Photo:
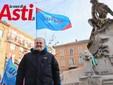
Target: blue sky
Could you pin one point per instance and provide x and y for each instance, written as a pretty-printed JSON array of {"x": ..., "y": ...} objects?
[{"x": 78, "y": 11}]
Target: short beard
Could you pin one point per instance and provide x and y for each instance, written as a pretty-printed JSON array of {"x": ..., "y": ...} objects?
[{"x": 38, "y": 49}]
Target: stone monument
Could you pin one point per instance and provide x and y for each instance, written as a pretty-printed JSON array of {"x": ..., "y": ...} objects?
[
  {"x": 98, "y": 59},
  {"x": 101, "y": 39},
  {"x": 101, "y": 45}
]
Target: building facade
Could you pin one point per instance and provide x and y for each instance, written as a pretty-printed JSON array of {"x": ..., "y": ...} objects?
[
  {"x": 68, "y": 55},
  {"x": 13, "y": 43}
]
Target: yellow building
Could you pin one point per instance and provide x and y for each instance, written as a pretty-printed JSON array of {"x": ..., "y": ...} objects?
[
  {"x": 13, "y": 42},
  {"x": 68, "y": 54}
]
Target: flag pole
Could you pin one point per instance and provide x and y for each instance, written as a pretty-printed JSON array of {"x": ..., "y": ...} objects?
[
  {"x": 5, "y": 61},
  {"x": 36, "y": 33},
  {"x": 36, "y": 24}
]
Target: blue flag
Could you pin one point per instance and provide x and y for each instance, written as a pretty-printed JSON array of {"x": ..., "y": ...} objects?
[
  {"x": 10, "y": 72},
  {"x": 50, "y": 21}
]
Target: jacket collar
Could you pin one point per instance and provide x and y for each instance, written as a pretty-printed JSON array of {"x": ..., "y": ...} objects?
[{"x": 36, "y": 51}]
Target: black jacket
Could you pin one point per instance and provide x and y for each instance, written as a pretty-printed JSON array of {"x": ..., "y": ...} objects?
[{"x": 38, "y": 68}]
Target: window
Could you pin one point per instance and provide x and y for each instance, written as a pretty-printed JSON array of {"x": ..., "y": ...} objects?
[
  {"x": 12, "y": 47},
  {"x": 61, "y": 52},
  {"x": 81, "y": 60},
  {"x": 13, "y": 35},
  {"x": 80, "y": 50},
  {"x": 71, "y": 61},
  {"x": 21, "y": 40},
  {"x": 1, "y": 33},
  {"x": 63, "y": 62},
  {"x": 71, "y": 52},
  {"x": 21, "y": 50}
]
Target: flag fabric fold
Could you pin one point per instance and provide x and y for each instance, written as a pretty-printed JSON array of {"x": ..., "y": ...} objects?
[
  {"x": 9, "y": 77},
  {"x": 55, "y": 22}
]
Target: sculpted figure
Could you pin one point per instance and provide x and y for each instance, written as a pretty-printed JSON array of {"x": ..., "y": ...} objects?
[
  {"x": 99, "y": 15},
  {"x": 101, "y": 39}
]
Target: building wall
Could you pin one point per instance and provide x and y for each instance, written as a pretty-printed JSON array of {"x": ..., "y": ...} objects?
[
  {"x": 13, "y": 43},
  {"x": 68, "y": 55},
  {"x": 3, "y": 34}
]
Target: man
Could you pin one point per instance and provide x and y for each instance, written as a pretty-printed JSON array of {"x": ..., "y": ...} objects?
[{"x": 38, "y": 67}]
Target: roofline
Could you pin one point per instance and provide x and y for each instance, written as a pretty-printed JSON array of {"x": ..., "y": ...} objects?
[
  {"x": 76, "y": 42},
  {"x": 16, "y": 28}
]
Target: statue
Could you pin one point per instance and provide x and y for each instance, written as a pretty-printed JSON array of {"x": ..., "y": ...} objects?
[
  {"x": 101, "y": 39},
  {"x": 98, "y": 59},
  {"x": 99, "y": 16}
]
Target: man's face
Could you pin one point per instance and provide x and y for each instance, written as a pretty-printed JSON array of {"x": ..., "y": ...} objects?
[{"x": 39, "y": 44}]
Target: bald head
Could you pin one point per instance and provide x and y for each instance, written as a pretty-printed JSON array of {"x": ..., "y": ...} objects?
[{"x": 40, "y": 39}]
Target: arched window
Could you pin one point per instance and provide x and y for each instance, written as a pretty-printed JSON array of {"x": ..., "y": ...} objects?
[
  {"x": 71, "y": 52},
  {"x": 1, "y": 33}
]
